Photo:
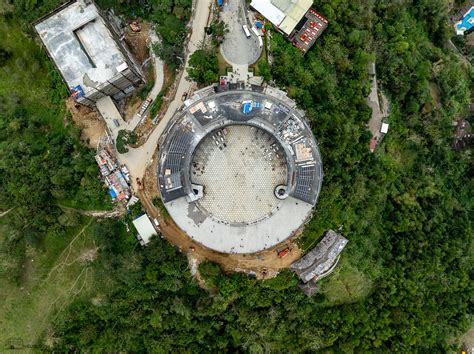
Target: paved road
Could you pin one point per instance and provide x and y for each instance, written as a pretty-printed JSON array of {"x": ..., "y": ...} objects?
[{"x": 137, "y": 159}]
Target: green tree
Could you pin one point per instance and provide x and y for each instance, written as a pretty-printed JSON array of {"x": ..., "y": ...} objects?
[{"x": 203, "y": 66}]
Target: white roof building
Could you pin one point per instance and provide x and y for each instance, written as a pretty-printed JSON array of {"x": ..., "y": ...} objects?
[
  {"x": 285, "y": 14},
  {"x": 145, "y": 228},
  {"x": 384, "y": 128}
]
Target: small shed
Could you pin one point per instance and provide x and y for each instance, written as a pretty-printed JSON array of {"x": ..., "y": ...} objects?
[
  {"x": 145, "y": 229},
  {"x": 384, "y": 128},
  {"x": 371, "y": 68}
]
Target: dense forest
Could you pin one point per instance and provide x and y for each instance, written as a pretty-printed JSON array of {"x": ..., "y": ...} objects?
[{"x": 406, "y": 279}]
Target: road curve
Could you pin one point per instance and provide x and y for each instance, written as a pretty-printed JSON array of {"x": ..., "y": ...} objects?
[{"x": 137, "y": 159}]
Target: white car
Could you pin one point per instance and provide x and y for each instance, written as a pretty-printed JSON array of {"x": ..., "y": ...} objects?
[{"x": 246, "y": 30}]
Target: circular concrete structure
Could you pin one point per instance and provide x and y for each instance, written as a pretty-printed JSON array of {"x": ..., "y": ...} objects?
[{"x": 239, "y": 171}]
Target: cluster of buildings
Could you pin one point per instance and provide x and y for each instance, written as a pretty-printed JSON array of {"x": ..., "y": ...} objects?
[
  {"x": 296, "y": 20},
  {"x": 116, "y": 177},
  {"x": 319, "y": 262}
]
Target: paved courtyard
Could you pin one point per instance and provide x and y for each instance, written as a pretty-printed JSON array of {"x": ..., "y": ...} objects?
[
  {"x": 237, "y": 49},
  {"x": 239, "y": 168}
]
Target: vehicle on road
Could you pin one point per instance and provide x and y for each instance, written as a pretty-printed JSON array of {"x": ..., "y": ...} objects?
[
  {"x": 246, "y": 30},
  {"x": 117, "y": 123}
]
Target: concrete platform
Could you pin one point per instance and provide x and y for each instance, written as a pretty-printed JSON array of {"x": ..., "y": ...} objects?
[
  {"x": 243, "y": 238},
  {"x": 221, "y": 159}
]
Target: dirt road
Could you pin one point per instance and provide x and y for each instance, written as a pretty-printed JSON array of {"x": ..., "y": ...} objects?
[
  {"x": 159, "y": 79},
  {"x": 100, "y": 214}
]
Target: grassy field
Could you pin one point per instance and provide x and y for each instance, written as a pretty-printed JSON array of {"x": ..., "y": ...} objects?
[{"x": 52, "y": 277}]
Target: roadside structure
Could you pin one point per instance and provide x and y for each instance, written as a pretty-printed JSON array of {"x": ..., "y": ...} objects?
[
  {"x": 465, "y": 19},
  {"x": 144, "y": 228},
  {"x": 115, "y": 177},
  {"x": 378, "y": 123},
  {"x": 296, "y": 20},
  {"x": 92, "y": 61},
  {"x": 321, "y": 260}
]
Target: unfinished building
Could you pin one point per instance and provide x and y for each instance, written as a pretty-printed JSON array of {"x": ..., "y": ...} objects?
[
  {"x": 92, "y": 61},
  {"x": 322, "y": 259}
]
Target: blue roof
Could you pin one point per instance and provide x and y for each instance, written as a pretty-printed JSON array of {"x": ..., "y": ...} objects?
[
  {"x": 246, "y": 108},
  {"x": 112, "y": 193},
  {"x": 467, "y": 22}
]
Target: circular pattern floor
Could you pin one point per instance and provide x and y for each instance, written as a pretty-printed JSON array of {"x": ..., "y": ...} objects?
[{"x": 239, "y": 167}]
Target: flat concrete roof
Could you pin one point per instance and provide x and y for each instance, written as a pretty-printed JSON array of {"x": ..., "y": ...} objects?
[
  {"x": 251, "y": 238},
  {"x": 82, "y": 47}
]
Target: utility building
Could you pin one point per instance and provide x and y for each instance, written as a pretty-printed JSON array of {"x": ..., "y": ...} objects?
[
  {"x": 87, "y": 53},
  {"x": 295, "y": 19}
]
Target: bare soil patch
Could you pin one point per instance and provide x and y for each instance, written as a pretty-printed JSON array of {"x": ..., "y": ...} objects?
[
  {"x": 138, "y": 42},
  {"x": 265, "y": 264},
  {"x": 468, "y": 341},
  {"x": 88, "y": 120}
]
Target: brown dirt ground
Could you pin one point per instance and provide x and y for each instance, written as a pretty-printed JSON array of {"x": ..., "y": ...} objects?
[
  {"x": 265, "y": 264},
  {"x": 88, "y": 120},
  {"x": 138, "y": 42},
  {"x": 132, "y": 105}
]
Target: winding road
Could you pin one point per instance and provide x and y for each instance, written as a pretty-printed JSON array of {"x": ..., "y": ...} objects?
[{"x": 137, "y": 159}]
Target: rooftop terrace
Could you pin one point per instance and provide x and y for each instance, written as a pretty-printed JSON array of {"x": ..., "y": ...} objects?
[{"x": 81, "y": 45}]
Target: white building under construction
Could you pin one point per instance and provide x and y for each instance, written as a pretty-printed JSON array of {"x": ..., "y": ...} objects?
[{"x": 87, "y": 53}]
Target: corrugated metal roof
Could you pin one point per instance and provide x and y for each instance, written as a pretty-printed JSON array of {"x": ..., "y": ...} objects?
[
  {"x": 269, "y": 11},
  {"x": 282, "y": 13},
  {"x": 294, "y": 15},
  {"x": 144, "y": 227}
]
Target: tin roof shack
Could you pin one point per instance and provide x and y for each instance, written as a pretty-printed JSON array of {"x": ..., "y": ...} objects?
[
  {"x": 145, "y": 229},
  {"x": 91, "y": 60},
  {"x": 322, "y": 259}
]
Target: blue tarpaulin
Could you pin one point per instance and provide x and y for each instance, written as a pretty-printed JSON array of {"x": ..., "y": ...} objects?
[
  {"x": 77, "y": 91},
  {"x": 112, "y": 193},
  {"x": 247, "y": 107},
  {"x": 219, "y": 2},
  {"x": 467, "y": 21},
  {"x": 258, "y": 24}
]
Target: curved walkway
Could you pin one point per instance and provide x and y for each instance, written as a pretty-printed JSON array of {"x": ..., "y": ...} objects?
[
  {"x": 137, "y": 159},
  {"x": 159, "y": 79}
]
